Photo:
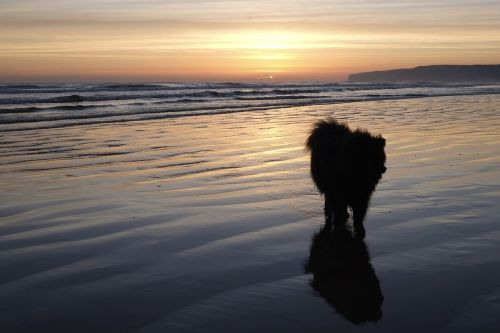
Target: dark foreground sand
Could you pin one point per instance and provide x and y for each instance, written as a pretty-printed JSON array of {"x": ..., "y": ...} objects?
[{"x": 203, "y": 224}]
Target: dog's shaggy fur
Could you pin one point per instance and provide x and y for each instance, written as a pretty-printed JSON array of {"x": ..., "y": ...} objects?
[{"x": 346, "y": 166}]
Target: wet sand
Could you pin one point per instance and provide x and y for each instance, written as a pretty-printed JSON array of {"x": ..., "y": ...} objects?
[{"x": 204, "y": 223}]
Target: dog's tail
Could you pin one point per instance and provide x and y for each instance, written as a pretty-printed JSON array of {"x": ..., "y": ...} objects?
[{"x": 325, "y": 132}]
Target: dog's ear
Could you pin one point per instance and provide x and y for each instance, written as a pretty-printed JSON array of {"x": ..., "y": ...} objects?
[{"x": 381, "y": 141}]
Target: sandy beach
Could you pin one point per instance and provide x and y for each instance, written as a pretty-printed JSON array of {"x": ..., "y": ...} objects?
[{"x": 204, "y": 223}]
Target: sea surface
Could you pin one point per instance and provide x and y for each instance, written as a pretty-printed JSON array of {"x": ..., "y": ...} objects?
[
  {"x": 189, "y": 208},
  {"x": 31, "y": 106}
]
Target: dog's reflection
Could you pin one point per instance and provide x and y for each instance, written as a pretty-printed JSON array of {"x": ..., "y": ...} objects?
[{"x": 344, "y": 276}]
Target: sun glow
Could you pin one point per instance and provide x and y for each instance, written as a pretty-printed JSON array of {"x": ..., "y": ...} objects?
[
  {"x": 258, "y": 40},
  {"x": 266, "y": 52}
]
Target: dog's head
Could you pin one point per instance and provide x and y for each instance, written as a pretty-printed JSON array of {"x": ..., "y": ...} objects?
[
  {"x": 368, "y": 157},
  {"x": 376, "y": 156}
]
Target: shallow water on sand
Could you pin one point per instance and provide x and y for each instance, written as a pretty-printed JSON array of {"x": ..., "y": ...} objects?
[{"x": 203, "y": 224}]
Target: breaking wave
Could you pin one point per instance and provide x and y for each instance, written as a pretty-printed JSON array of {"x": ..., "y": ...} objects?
[{"x": 35, "y": 106}]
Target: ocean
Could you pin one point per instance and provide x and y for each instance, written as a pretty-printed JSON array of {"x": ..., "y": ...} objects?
[{"x": 31, "y": 106}]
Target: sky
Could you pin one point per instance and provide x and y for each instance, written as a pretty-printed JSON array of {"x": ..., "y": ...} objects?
[{"x": 233, "y": 40}]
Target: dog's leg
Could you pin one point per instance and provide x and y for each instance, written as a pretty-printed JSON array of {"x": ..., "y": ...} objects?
[
  {"x": 328, "y": 213},
  {"x": 358, "y": 215},
  {"x": 340, "y": 214}
]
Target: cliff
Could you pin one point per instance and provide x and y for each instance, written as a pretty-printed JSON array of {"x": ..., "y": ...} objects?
[{"x": 435, "y": 73}]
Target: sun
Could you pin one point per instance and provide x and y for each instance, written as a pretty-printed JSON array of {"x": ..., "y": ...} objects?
[{"x": 264, "y": 51}]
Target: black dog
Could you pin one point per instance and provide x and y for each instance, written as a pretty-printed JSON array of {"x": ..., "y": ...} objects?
[{"x": 346, "y": 166}]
